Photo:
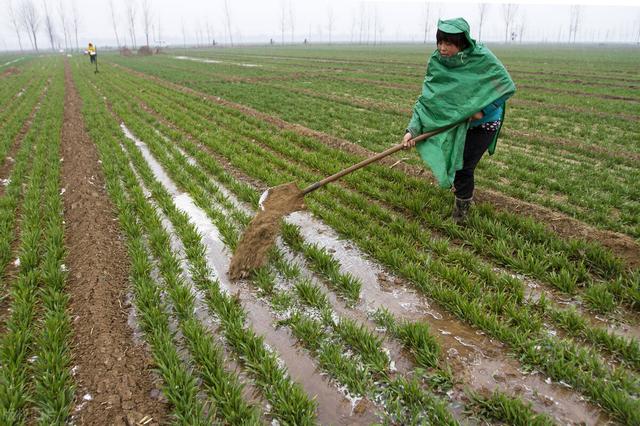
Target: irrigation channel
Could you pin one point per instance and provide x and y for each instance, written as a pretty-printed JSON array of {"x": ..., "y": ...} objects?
[{"x": 479, "y": 361}]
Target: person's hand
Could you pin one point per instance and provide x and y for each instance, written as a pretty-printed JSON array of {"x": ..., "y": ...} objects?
[
  {"x": 407, "y": 142},
  {"x": 478, "y": 115}
]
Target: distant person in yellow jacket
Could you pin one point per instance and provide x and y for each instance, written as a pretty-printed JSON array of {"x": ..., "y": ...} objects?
[{"x": 93, "y": 55}]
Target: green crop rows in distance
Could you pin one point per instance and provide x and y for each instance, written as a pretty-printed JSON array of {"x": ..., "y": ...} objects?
[{"x": 353, "y": 100}]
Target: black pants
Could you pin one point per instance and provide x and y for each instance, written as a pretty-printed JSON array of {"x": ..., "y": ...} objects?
[
  {"x": 93, "y": 58},
  {"x": 475, "y": 145}
]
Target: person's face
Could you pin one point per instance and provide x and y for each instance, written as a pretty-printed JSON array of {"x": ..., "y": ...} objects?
[{"x": 447, "y": 48}]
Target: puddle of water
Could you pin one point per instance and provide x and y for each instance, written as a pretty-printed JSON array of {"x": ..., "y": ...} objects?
[
  {"x": 380, "y": 289},
  {"x": 11, "y": 62},
  {"x": 534, "y": 290},
  {"x": 558, "y": 400},
  {"x": 333, "y": 407},
  {"x": 206, "y": 61},
  {"x": 214, "y": 61},
  {"x": 472, "y": 354}
]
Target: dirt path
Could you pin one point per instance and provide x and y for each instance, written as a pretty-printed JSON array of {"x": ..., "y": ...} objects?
[
  {"x": 109, "y": 366},
  {"x": 621, "y": 245}
]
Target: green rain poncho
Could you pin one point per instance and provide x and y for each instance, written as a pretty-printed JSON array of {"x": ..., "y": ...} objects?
[{"x": 454, "y": 89}]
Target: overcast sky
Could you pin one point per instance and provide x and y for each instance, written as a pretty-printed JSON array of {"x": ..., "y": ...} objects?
[{"x": 258, "y": 21}]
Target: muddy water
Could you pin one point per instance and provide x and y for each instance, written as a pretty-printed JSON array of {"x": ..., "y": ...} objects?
[
  {"x": 333, "y": 407},
  {"x": 626, "y": 326},
  {"x": 558, "y": 400},
  {"x": 481, "y": 362},
  {"x": 215, "y": 61},
  {"x": 251, "y": 393}
]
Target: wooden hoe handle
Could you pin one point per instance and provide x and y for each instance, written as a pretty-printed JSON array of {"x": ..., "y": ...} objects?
[{"x": 370, "y": 160}]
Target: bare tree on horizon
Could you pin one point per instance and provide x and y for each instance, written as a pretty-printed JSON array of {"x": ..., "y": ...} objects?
[
  {"x": 114, "y": 22},
  {"x": 48, "y": 24},
  {"x": 427, "y": 20},
  {"x": 31, "y": 21},
  {"x": 65, "y": 25},
  {"x": 521, "y": 28},
  {"x": 75, "y": 20},
  {"x": 146, "y": 18},
  {"x": 283, "y": 21},
  {"x": 14, "y": 21},
  {"x": 362, "y": 14},
  {"x": 575, "y": 15},
  {"x": 292, "y": 20},
  {"x": 329, "y": 21},
  {"x": 131, "y": 20},
  {"x": 228, "y": 19},
  {"x": 184, "y": 34},
  {"x": 209, "y": 31},
  {"x": 508, "y": 13},
  {"x": 482, "y": 9}
]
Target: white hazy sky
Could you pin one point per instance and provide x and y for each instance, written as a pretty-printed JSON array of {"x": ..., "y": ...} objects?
[{"x": 256, "y": 21}]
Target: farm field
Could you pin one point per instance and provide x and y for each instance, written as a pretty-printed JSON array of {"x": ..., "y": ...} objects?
[{"x": 124, "y": 194}]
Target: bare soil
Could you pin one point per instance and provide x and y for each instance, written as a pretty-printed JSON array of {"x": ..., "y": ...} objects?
[
  {"x": 10, "y": 71},
  {"x": 263, "y": 230},
  {"x": 108, "y": 365},
  {"x": 621, "y": 245}
]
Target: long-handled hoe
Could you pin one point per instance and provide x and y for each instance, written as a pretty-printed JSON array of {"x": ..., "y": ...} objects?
[{"x": 281, "y": 200}]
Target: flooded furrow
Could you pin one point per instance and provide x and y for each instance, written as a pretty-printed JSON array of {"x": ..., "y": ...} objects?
[
  {"x": 482, "y": 363},
  {"x": 625, "y": 325},
  {"x": 468, "y": 351},
  {"x": 333, "y": 407}
]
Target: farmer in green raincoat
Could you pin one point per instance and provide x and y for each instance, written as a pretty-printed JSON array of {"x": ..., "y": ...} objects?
[{"x": 465, "y": 86}]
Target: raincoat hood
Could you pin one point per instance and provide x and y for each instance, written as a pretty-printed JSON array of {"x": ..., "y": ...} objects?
[
  {"x": 456, "y": 26},
  {"x": 456, "y": 87}
]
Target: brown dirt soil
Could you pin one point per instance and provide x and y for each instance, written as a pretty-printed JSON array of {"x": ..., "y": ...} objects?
[
  {"x": 109, "y": 366},
  {"x": 262, "y": 232},
  {"x": 10, "y": 71},
  {"x": 621, "y": 245}
]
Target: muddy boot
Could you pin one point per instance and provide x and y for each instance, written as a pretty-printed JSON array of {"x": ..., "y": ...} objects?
[{"x": 461, "y": 210}]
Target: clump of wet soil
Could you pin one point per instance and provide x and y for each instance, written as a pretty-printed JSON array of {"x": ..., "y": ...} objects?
[{"x": 261, "y": 233}]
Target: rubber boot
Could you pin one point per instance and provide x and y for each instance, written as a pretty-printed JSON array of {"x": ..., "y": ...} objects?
[{"x": 461, "y": 210}]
